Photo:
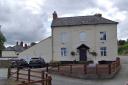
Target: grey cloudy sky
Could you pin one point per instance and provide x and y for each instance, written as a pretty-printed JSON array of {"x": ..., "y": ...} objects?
[{"x": 29, "y": 20}]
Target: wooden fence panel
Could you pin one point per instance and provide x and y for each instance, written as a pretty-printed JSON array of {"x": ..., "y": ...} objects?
[
  {"x": 102, "y": 69},
  {"x": 43, "y": 78}
]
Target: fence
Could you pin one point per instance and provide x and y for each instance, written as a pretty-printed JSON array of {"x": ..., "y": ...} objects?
[
  {"x": 106, "y": 69},
  {"x": 69, "y": 69},
  {"x": 111, "y": 68},
  {"x": 29, "y": 76}
]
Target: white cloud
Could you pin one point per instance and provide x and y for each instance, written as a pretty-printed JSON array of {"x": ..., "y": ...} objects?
[
  {"x": 20, "y": 23},
  {"x": 21, "y": 19},
  {"x": 107, "y": 4},
  {"x": 34, "y": 5}
]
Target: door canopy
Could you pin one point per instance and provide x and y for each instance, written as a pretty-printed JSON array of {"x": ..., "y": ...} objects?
[{"x": 83, "y": 46}]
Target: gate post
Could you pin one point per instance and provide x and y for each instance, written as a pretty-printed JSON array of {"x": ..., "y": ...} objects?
[
  {"x": 42, "y": 75},
  {"x": 9, "y": 72},
  {"x": 17, "y": 77},
  {"x": 49, "y": 80},
  {"x": 47, "y": 65},
  {"x": 46, "y": 78},
  {"x": 29, "y": 74}
]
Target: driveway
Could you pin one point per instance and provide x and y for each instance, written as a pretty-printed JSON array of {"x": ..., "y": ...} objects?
[{"x": 120, "y": 79}]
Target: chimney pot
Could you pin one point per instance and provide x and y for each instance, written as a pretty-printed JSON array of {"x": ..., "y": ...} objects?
[
  {"x": 55, "y": 15},
  {"x": 26, "y": 46},
  {"x": 21, "y": 43},
  {"x": 17, "y": 43}
]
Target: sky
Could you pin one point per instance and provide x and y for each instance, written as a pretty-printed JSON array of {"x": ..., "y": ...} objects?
[{"x": 30, "y": 20}]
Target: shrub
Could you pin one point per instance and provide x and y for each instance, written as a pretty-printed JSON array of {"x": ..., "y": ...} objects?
[{"x": 55, "y": 63}]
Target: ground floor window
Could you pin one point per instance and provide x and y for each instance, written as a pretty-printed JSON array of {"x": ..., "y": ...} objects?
[
  {"x": 63, "y": 51},
  {"x": 103, "y": 51}
]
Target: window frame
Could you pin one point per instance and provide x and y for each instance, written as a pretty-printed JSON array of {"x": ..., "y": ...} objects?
[
  {"x": 103, "y": 35},
  {"x": 103, "y": 51},
  {"x": 63, "y": 51}
]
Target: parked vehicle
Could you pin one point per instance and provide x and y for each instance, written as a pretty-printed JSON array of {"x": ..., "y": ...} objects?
[
  {"x": 37, "y": 63},
  {"x": 21, "y": 63}
]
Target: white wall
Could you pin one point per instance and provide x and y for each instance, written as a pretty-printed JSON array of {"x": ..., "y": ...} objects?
[
  {"x": 9, "y": 54},
  {"x": 92, "y": 40},
  {"x": 42, "y": 49},
  {"x": 110, "y": 43},
  {"x": 3, "y": 73}
]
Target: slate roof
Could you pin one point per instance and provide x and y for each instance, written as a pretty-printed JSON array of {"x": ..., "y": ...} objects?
[
  {"x": 16, "y": 48},
  {"x": 81, "y": 20},
  {"x": 9, "y": 49}
]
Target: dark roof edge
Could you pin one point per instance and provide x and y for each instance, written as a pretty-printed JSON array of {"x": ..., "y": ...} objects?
[
  {"x": 84, "y": 24},
  {"x": 8, "y": 50}
]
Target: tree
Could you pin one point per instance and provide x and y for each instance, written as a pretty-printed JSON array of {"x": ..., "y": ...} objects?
[
  {"x": 33, "y": 43},
  {"x": 121, "y": 42},
  {"x": 2, "y": 40}
]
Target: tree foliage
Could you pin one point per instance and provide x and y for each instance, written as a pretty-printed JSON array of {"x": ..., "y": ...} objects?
[
  {"x": 2, "y": 40},
  {"x": 121, "y": 42},
  {"x": 123, "y": 47},
  {"x": 32, "y": 44}
]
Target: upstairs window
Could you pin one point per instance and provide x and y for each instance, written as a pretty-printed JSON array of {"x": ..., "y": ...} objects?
[
  {"x": 64, "y": 37},
  {"x": 82, "y": 36},
  {"x": 103, "y": 51},
  {"x": 102, "y": 35},
  {"x": 63, "y": 51}
]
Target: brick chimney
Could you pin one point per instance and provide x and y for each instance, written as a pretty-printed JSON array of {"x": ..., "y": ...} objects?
[
  {"x": 26, "y": 46},
  {"x": 17, "y": 43},
  {"x": 98, "y": 15},
  {"x": 21, "y": 43},
  {"x": 55, "y": 15}
]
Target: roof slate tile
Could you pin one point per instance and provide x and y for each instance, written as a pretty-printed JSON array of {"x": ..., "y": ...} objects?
[{"x": 81, "y": 20}]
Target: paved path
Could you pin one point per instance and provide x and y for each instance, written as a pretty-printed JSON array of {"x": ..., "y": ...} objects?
[
  {"x": 7, "y": 82},
  {"x": 119, "y": 79},
  {"x": 3, "y": 82}
]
